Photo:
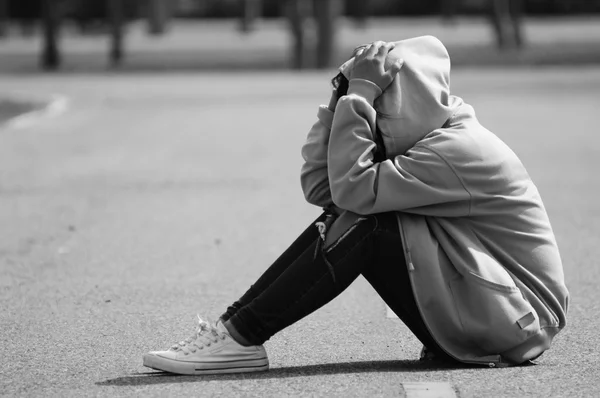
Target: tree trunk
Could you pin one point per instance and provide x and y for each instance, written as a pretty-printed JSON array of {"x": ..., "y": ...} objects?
[
  {"x": 326, "y": 13},
  {"x": 499, "y": 15},
  {"x": 516, "y": 9},
  {"x": 3, "y": 18},
  {"x": 296, "y": 15},
  {"x": 116, "y": 20},
  {"x": 506, "y": 17},
  {"x": 51, "y": 23},
  {"x": 358, "y": 10},
  {"x": 158, "y": 16},
  {"x": 449, "y": 11},
  {"x": 251, "y": 10}
]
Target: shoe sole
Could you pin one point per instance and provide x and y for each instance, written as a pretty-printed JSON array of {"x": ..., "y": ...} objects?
[{"x": 203, "y": 368}]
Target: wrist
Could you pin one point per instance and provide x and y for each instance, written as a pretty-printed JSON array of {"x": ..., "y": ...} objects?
[
  {"x": 332, "y": 103},
  {"x": 325, "y": 115},
  {"x": 333, "y": 100},
  {"x": 365, "y": 89}
]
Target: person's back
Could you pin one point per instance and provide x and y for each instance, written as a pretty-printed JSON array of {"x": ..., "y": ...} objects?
[
  {"x": 503, "y": 277},
  {"x": 484, "y": 262}
]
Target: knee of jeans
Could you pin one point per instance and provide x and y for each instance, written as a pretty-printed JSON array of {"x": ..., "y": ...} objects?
[
  {"x": 336, "y": 232},
  {"x": 342, "y": 227}
]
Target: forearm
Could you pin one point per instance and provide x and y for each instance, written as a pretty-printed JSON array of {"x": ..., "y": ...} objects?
[
  {"x": 314, "y": 175},
  {"x": 351, "y": 148},
  {"x": 419, "y": 182}
]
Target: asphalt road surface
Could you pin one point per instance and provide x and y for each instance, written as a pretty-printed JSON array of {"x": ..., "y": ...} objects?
[{"x": 157, "y": 197}]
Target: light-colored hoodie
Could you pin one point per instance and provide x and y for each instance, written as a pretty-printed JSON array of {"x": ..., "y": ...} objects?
[{"x": 481, "y": 254}]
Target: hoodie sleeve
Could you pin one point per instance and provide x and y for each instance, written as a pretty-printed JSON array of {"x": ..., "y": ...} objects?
[
  {"x": 419, "y": 182},
  {"x": 314, "y": 176}
]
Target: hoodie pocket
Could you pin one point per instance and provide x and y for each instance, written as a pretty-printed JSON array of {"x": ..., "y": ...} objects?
[{"x": 493, "y": 316}]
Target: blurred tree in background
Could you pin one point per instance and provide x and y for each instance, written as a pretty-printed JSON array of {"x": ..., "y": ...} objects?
[
  {"x": 382, "y": 8},
  {"x": 325, "y": 13},
  {"x": 308, "y": 48},
  {"x": 25, "y": 12},
  {"x": 506, "y": 18}
]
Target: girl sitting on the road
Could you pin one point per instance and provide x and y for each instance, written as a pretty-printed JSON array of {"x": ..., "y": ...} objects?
[{"x": 435, "y": 211}]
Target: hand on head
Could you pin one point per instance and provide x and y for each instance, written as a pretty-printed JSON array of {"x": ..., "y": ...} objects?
[{"x": 369, "y": 64}]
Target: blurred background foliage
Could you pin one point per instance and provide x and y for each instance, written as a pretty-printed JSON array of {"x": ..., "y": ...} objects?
[
  {"x": 274, "y": 8},
  {"x": 314, "y": 25},
  {"x": 96, "y": 9}
]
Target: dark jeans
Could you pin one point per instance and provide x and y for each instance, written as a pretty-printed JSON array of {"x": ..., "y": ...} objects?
[{"x": 306, "y": 277}]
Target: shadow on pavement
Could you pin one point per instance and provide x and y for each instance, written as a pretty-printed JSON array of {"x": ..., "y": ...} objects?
[
  {"x": 11, "y": 107},
  {"x": 151, "y": 378}
]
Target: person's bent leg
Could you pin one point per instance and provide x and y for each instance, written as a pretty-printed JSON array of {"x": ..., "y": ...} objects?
[
  {"x": 313, "y": 280},
  {"x": 295, "y": 250},
  {"x": 391, "y": 280},
  {"x": 213, "y": 348}
]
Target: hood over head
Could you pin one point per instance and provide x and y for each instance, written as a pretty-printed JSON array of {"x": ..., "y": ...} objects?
[{"x": 418, "y": 100}]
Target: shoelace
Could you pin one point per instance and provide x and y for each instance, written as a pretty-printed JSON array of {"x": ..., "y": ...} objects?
[{"x": 204, "y": 337}]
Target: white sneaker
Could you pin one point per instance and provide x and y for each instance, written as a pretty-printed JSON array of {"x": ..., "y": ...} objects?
[{"x": 211, "y": 350}]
